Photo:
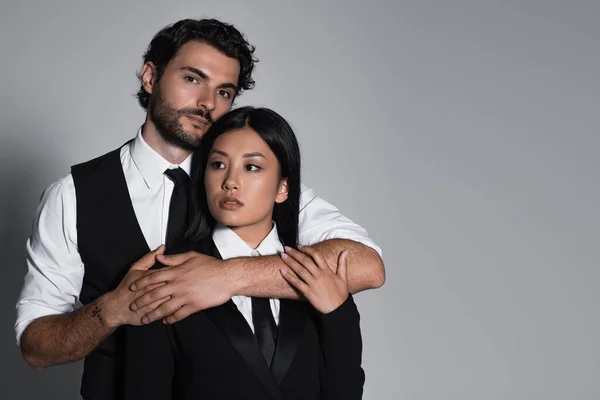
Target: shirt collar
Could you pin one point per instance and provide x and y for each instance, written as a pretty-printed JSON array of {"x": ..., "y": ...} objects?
[
  {"x": 230, "y": 245},
  {"x": 152, "y": 165}
]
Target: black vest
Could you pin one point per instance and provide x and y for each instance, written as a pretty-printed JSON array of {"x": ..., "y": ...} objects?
[{"x": 110, "y": 241}]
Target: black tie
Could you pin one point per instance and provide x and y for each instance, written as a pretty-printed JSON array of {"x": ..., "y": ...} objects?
[
  {"x": 178, "y": 209},
  {"x": 264, "y": 327}
]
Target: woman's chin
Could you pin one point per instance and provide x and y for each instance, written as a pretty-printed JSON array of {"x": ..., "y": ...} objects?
[{"x": 230, "y": 221}]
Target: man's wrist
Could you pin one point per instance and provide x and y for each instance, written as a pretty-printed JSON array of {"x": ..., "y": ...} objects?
[
  {"x": 102, "y": 310},
  {"x": 235, "y": 285}
]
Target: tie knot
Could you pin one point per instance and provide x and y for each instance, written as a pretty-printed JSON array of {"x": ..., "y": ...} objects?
[{"x": 178, "y": 176}]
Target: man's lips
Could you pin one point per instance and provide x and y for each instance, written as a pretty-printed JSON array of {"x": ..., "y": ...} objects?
[{"x": 198, "y": 119}]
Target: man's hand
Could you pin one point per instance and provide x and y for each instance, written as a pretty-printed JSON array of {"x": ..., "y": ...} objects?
[
  {"x": 190, "y": 282},
  {"x": 325, "y": 289},
  {"x": 115, "y": 305}
]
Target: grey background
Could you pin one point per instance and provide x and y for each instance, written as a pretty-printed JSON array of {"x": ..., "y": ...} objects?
[{"x": 462, "y": 135}]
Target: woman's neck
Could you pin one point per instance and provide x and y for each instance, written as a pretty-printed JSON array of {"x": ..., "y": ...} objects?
[{"x": 253, "y": 234}]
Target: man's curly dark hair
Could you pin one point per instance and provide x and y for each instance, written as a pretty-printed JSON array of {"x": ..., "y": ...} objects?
[{"x": 222, "y": 36}]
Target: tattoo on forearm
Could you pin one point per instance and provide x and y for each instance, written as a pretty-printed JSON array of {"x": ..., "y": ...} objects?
[{"x": 96, "y": 312}]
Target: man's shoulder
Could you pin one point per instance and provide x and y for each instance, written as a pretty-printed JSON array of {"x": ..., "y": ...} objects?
[
  {"x": 60, "y": 188},
  {"x": 95, "y": 162},
  {"x": 112, "y": 159},
  {"x": 307, "y": 195},
  {"x": 63, "y": 189}
]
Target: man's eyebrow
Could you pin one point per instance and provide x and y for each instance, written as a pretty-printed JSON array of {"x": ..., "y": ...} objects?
[
  {"x": 196, "y": 71},
  {"x": 203, "y": 75},
  {"x": 228, "y": 85}
]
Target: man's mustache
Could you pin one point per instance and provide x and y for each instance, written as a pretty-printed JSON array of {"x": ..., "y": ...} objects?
[{"x": 198, "y": 112}]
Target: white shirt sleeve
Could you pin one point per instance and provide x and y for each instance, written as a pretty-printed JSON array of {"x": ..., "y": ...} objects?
[
  {"x": 321, "y": 221},
  {"x": 54, "y": 267}
]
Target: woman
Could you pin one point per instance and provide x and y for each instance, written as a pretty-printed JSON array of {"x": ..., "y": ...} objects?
[{"x": 252, "y": 348}]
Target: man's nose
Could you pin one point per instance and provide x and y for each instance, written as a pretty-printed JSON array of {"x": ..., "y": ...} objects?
[{"x": 207, "y": 100}]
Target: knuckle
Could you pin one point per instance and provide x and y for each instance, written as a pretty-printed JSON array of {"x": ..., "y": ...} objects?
[{"x": 143, "y": 302}]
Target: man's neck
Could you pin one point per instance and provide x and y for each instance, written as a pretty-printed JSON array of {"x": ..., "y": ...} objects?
[{"x": 173, "y": 154}]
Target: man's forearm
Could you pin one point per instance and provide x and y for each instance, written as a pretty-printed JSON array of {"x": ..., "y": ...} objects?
[
  {"x": 65, "y": 338},
  {"x": 365, "y": 267},
  {"x": 260, "y": 276}
]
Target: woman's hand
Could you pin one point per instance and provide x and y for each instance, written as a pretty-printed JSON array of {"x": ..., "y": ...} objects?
[{"x": 325, "y": 287}]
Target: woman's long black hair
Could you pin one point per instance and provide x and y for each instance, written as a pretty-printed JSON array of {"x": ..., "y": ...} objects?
[{"x": 280, "y": 138}]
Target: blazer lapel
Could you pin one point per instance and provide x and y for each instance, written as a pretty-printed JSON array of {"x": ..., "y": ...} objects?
[
  {"x": 233, "y": 325},
  {"x": 292, "y": 318}
]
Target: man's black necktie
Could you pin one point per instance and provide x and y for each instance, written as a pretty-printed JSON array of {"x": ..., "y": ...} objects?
[
  {"x": 178, "y": 208},
  {"x": 264, "y": 327}
]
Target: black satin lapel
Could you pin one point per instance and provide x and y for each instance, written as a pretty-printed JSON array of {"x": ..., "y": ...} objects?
[
  {"x": 292, "y": 318},
  {"x": 232, "y": 323}
]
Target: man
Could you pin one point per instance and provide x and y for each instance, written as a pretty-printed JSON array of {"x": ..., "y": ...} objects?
[{"x": 92, "y": 225}]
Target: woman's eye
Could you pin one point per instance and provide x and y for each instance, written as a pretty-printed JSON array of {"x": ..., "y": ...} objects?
[
  {"x": 252, "y": 167},
  {"x": 217, "y": 165}
]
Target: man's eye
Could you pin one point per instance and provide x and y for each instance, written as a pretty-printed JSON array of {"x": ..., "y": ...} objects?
[
  {"x": 191, "y": 79},
  {"x": 217, "y": 165},
  {"x": 252, "y": 167},
  {"x": 225, "y": 94}
]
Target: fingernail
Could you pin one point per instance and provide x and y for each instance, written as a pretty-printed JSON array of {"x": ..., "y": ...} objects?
[
  {"x": 283, "y": 272},
  {"x": 284, "y": 256},
  {"x": 164, "y": 321},
  {"x": 133, "y": 306},
  {"x": 132, "y": 287},
  {"x": 287, "y": 248},
  {"x": 145, "y": 320},
  {"x": 346, "y": 252},
  {"x": 300, "y": 246}
]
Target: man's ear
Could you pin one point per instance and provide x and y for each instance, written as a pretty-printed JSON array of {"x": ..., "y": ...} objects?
[
  {"x": 282, "y": 192},
  {"x": 149, "y": 75}
]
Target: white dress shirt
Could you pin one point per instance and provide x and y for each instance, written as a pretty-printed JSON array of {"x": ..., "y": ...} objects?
[
  {"x": 55, "y": 270},
  {"x": 230, "y": 245}
]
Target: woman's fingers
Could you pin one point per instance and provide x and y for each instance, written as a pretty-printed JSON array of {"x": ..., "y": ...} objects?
[{"x": 294, "y": 281}]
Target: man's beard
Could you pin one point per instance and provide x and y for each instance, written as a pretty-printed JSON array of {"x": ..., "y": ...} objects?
[{"x": 166, "y": 120}]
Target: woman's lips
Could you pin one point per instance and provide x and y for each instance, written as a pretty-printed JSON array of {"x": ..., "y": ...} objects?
[{"x": 230, "y": 203}]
